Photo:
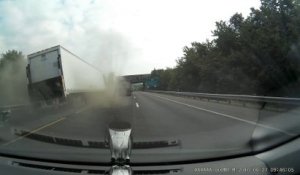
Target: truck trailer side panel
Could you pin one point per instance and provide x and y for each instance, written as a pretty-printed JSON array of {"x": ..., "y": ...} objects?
[{"x": 78, "y": 75}]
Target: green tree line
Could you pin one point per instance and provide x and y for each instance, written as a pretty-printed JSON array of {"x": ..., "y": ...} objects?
[{"x": 257, "y": 55}]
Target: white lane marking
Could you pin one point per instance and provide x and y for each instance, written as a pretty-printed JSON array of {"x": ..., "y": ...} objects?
[
  {"x": 43, "y": 127},
  {"x": 137, "y": 105},
  {"x": 34, "y": 131},
  {"x": 81, "y": 110},
  {"x": 228, "y": 116}
]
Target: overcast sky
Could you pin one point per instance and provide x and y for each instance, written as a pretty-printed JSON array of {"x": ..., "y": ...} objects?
[{"x": 125, "y": 36}]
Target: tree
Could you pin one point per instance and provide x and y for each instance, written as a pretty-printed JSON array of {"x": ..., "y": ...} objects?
[{"x": 258, "y": 55}]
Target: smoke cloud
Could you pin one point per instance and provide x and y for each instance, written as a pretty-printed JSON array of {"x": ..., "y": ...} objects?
[{"x": 13, "y": 82}]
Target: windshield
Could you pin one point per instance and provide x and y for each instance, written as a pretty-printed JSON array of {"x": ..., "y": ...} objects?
[{"x": 184, "y": 80}]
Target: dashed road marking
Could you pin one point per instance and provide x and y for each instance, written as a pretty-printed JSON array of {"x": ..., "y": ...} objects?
[
  {"x": 81, "y": 110},
  {"x": 137, "y": 105}
]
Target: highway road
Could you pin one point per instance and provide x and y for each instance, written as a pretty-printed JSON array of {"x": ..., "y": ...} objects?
[{"x": 198, "y": 128}]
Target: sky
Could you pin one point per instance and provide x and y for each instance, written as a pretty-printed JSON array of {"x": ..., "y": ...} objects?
[{"x": 122, "y": 36}]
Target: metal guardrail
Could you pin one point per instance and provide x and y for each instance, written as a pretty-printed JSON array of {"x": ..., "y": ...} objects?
[{"x": 232, "y": 97}]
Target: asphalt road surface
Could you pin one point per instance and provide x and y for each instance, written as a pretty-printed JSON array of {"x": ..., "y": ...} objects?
[{"x": 209, "y": 128}]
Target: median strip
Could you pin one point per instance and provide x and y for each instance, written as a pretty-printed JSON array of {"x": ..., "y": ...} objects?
[{"x": 226, "y": 115}]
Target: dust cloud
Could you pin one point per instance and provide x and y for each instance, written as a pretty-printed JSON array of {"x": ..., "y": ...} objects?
[
  {"x": 111, "y": 54},
  {"x": 13, "y": 82},
  {"x": 113, "y": 94}
]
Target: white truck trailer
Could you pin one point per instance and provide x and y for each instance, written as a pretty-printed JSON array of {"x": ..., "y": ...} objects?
[{"x": 56, "y": 73}]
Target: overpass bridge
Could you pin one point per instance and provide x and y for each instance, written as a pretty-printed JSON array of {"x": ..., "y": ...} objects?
[{"x": 138, "y": 78}]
